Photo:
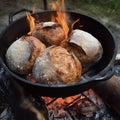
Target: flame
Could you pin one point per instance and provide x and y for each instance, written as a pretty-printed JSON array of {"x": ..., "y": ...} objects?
[
  {"x": 61, "y": 16},
  {"x": 31, "y": 21},
  {"x": 75, "y": 23}
]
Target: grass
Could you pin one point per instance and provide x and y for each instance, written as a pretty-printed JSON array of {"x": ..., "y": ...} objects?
[
  {"x": 96, "y": 8},
  {"x": 101, "y": 9}
]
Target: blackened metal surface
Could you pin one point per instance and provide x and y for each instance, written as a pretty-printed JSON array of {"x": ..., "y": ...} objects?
[
  {"x": 101, "y": 71},
  {"x": 117, "y": 70}
]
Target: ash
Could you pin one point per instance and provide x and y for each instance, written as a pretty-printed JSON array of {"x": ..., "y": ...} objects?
[{"x": 85, "y": 106}]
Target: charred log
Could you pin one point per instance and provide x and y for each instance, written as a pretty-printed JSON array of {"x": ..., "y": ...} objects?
[
  {"x": 109, "y": 91},
  {"x": 26, "y": 106}
]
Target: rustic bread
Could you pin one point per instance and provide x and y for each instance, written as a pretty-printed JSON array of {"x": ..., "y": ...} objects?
[
  {"x": 56, "y": 65},
  {"x": 86, "y": 47},
  {"x": 22, "y": 53},
  {"x": 51, "y": 33}
]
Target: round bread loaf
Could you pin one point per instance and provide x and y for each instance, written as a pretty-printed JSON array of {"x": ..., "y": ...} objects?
[
  {"x": 51, "y": 33},
  {"x": 86, "y": 47},
  {"x": 22, "y": 53},
  {"x": 55, "y": 65}
]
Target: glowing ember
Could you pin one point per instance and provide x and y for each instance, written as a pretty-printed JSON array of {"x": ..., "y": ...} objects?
[
  {"x": 74, "y": 107},
  {"x": 31, "y": 78},
  {"x": 60, "y": 102}
]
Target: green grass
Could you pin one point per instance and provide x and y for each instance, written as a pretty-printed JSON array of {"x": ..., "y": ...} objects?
[
  {"x": 95, "y": 8},
  {"x": 98, "y": 8}
]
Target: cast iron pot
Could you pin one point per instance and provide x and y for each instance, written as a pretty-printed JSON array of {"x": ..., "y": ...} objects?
[{"x": 101, "y": 71}]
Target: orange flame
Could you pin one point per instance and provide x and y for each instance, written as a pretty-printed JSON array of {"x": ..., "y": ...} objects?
[
  {"x": 61, "y": 17},
  {"x": 75, "y": 23},
  {"x": 31, "y": 21}
]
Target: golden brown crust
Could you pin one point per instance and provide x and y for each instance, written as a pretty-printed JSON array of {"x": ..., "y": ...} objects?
[
  {"x": 59, "y": 67},
  {"x": 66, "y": 64},
  {"x": 86, "y": 47},
  {"x": 36, "y": 47},
  {"x": 51, "y": 35},
  {"x": 21, "y": 55}
]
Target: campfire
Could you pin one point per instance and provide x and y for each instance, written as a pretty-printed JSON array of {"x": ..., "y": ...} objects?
[
  {"x": 84, "y": 106},
  {"x": 73, "y": 107},
  {"x": 54, "y": 72}
]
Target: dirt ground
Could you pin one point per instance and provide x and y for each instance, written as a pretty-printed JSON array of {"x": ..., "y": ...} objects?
[{"x": 7, "y": 7}]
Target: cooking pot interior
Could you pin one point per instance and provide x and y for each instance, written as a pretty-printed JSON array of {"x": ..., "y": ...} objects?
[{"x": 21, "y": 27}]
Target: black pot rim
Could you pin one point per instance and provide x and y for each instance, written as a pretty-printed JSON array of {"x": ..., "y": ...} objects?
[{"x": 102, "y": 72}]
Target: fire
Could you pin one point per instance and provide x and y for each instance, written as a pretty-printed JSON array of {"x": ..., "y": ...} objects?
[
  {"x": 61, "y": 16},
  {"x": 60, "y": 102},
  {"x": 74, "y": 23},
  {"x": 31, "y": 21}
]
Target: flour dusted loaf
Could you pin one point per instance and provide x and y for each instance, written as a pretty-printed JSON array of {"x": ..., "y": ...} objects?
[
  {"x": 55, "y": 65},
  {"x": 22, "y": 53},
  {"x": 51, "y": 33}
]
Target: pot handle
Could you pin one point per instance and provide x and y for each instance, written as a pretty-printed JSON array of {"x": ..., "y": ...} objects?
[
  {"x": 11, "y": 15},
  {"x": 105, "y": 76}
]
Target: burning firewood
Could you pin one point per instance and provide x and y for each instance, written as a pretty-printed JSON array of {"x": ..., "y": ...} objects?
[
  {"x": 56, "y": 65},
  {"x": 51, "y": 33},
  {"x": 22, "y": 53},
  {"x": 86, "y": 47}
]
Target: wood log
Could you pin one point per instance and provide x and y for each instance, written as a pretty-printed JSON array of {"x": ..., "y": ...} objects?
[{"x": 109, "y": 91}]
